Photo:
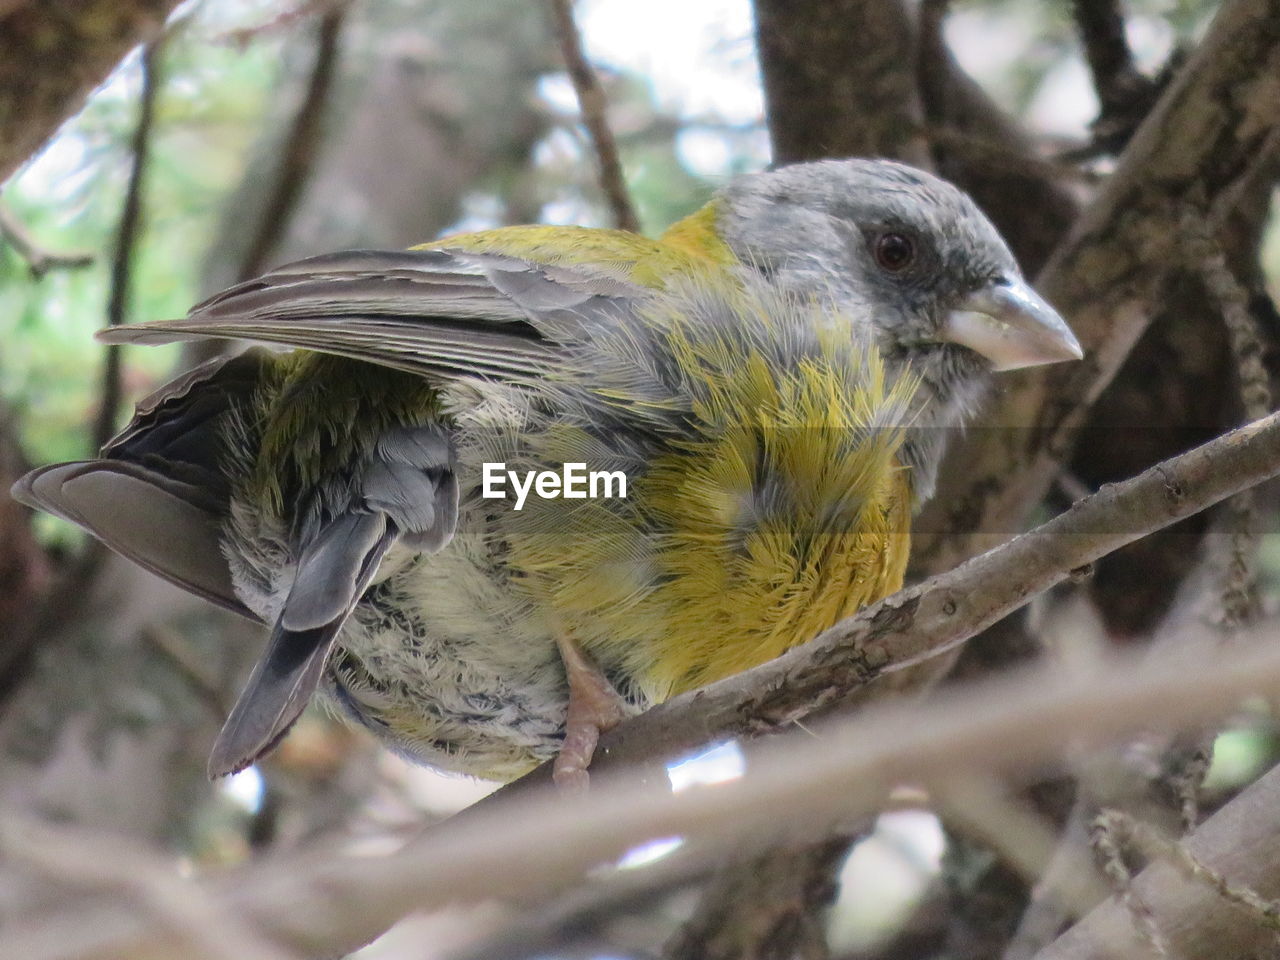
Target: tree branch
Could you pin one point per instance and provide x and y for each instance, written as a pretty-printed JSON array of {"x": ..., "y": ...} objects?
[
  {"x": 980, "y": 148},
  {"x": 994, "y": 727},
  {"x": 298, "y": 155},
  {"x": 938, "y": 615},
  {"x": 1124, "y": 94},
  {"x": 592, "y": 104},
  {"x": 1016, "y": 725},
  {"x": 191, "y": 925},
  {"x": 1176, "y": 388},
  {"x": 857, "y": 78},
  {"x": 39, "y": 259},
  {"x": 126, "y": 240},
  {"x": 1101, "y": 26},
  {"x": 53, "y": 54},
  {"x": 839, "y": 79},
  {"x": 26, "y": 573},
  {"x": 1241, "y": 844}
]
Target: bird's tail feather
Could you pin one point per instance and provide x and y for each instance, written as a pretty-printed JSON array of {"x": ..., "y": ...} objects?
[
  {"x": 276, "y": 694},
  {"x": 289, "y": 672}
]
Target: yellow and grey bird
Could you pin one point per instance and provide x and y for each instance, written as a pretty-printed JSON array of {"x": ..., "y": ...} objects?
[{"x": 762, "y": 394}]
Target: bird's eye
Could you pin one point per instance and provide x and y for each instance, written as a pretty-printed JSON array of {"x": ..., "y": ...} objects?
[{"x": 894, "y": 252}]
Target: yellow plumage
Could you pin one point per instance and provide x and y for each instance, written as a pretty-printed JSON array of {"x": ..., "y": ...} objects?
[
  {"x": 733, "y": 589},
  {"x": 679, "y": 584},
  {"x": 691, "y": 245},
  {"x": 731, "y": 592}
]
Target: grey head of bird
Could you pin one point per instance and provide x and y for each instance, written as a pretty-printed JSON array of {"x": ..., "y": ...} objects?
[{"x": 911, "y": 253}]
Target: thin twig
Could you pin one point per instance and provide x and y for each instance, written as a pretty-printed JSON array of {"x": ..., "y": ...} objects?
[
  {"x": 126, "y": 240},
  {"x": 39, "y": 259},
  {"x": 285, "y": 19},
  {"x": 1187, "y": 760},
  {"x": 592, "y": 104},
  {"x": 1107, "y": 841},
  {"x": 296, "y": 160},
  {"x": 1140, "y": 777},
  {"x": 189, "y": 665}
]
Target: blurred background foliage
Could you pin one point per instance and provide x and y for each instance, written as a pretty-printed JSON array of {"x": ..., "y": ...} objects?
[{"x": 232, "y": 74}]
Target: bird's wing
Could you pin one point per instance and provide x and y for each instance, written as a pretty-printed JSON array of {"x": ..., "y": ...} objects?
[
  {"x": 156, "y": 495},
  {"x": 442, "y": 312},
  {"x": 406, "y": 491}
]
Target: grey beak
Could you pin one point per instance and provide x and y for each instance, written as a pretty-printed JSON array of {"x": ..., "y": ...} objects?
[{"x": 1009, "y": 324}]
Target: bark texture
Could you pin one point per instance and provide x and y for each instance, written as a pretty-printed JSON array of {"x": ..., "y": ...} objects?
[
  {"x": 1237, "y": 848},
  {"x": 53, "y": 53},
  {"x": 833, "y": 80}
]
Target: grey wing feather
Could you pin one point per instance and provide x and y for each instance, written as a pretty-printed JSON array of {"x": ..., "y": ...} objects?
[
  {"x": 273, "y": 698},
  {"x": 162, "y": 525},
  {"x": 158, "y": 495},
  {"x": 331, "y": 568},
  {"x": 425, "y": 447},
  {"x": 406, "y": 491},
  {"x": 411, "y": 480},
  {"x": 442, "y": 312}
]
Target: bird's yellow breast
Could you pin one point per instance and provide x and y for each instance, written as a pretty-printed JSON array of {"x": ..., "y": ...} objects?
[
  {"x": 738, "y": 597},
  {"x": 782, "y": 509}
]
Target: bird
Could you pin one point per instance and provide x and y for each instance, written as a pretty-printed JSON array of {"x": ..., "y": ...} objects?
[{"x": 498, "y": 492}]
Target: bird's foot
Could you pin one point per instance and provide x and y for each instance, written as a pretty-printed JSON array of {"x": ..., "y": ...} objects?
[{"x": 594, "y": 708}]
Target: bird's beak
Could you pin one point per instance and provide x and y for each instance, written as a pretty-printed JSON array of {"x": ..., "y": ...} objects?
[{"x": 1009, "y": 324}]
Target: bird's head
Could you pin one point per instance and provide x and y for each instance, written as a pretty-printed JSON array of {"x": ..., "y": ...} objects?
[
  {"x": 918, "y": 260},
  {"x": 906, "y": 250}
]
